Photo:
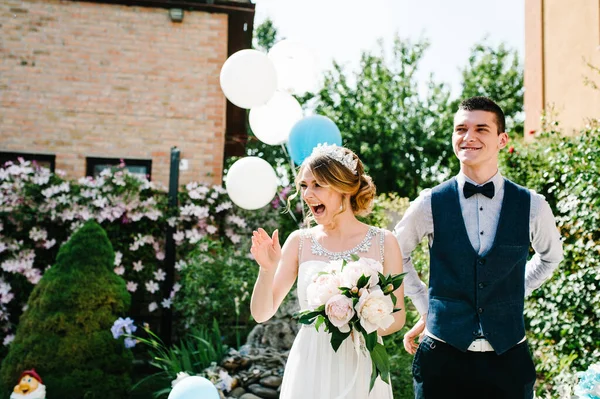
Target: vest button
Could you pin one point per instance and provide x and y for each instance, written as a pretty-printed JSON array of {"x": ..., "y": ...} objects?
[
  {"x": 480, "y": 310},
  {"x": 481, "y": 261},
  {"x": 481, "y": 285}
]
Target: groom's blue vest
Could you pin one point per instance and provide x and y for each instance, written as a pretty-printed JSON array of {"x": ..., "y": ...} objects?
[{"x": 467, "y": 290}]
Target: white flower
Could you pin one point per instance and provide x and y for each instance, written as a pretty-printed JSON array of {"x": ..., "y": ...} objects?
[
  {"x": 118, "y": 258},
  {"x": 180, "y": 376},
  {"x": 179, "y": 236},
  {"x": 131, "y": 286},
  {"x": 225, "y": 382},
  {"x": 50, "y": 243},
  {"x": 339, "y": 311},
  {"x": 180, "y": 265},
  {"x": 210, "y": 229},
  {"x": 152, "y": 307},
  {"x": 151, "y": 286},
  {"x": 120, "y": 270},
  {"x": 137, "y": 266},
  {"x": 323, "y": 287},
  {"x": 8, "y": 339},
  {"x": 223, "y": 206},
  {"x": 38, "y": 234},
  {"x": 374, "y": 310},
  {"x": 166, "y": 303},
  {"x": 160, "y": 275},
  {"x": 353, "y": 271}
]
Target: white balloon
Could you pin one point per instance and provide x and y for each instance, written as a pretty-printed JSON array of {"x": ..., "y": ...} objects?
[
  {"x": 271, "y": 123},
  {"x": 251, "y": 183},
  {"x": 248, "y": 78},
  {"x": 295, "y": 65}
]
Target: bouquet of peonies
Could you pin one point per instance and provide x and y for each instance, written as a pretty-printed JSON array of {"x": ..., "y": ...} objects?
[{"x": 354, "y": 298}]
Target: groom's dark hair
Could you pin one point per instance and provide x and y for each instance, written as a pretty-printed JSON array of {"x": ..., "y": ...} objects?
[{"x": 481, "y": 103}]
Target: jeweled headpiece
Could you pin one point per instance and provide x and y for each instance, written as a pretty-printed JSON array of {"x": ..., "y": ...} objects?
[{"x": 337, "y": 153}]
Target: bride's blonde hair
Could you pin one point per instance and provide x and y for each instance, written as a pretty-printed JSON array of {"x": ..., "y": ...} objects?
[{"x": 329, "y": 172}]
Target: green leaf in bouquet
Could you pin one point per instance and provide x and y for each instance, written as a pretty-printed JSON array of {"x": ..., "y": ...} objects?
[
  {"x": 381, "y": 361},
  {"x": 321, "y": 273},
  {"x": 337, "y": 337},
  {"x": 394, "y": 299},
  {"x": 354, "y": 257},
  {"x": 320, "y": 321},
  {"x": 346, "y": 292},
  {"x": 344, "y": 263},
  {"x": 397, "y": 280},
  {"x": 374, "y": 375},
  {"x": 383, "y": 280},
  {"x": 362, "y": 281},
  {"x": 370, "y": 340},
  {"x": 308, "y": 316}
]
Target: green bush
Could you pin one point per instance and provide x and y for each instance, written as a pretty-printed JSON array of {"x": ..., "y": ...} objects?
[
  {"x": 216, "y": 283},
  {"x": 564, "y": 314},
  {"x": 65, "y": 332}
]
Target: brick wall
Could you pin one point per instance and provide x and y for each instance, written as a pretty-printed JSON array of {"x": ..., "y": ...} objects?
[{"x": 84, "y": 80}]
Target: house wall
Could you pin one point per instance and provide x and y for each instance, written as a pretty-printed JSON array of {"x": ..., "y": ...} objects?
[
  {"x": 81, "y": 79},
  {"x": 561, "y": 38}
]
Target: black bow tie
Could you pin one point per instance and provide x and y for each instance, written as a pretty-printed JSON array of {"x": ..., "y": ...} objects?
[{"x": 471, "y": 189}]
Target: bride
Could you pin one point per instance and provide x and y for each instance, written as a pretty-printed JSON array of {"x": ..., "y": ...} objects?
[{"x": 333, "y": 184}]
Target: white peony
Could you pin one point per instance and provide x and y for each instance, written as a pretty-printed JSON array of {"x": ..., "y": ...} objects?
[
  {"x": 353, "y": 271},
  {"x": 374, "y": 310},
  {"x": 323, "y": 287}
]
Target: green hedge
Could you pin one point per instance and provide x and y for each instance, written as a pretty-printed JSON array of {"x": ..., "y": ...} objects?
[{"x": 564, "y": 314}]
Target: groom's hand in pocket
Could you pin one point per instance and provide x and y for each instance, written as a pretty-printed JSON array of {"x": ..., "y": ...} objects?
[{"x": 410, "y": 338}]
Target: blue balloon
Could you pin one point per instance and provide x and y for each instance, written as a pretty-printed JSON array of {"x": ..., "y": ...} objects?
[
  {"x": 310, "y": 131},
  {"x": 194, "y": 387}
]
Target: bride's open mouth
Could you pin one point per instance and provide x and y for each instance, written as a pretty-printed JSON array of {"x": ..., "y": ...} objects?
[{"x": 317, "y": 209}]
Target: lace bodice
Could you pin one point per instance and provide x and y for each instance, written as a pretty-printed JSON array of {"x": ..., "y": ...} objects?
[{"x": 313, "y": 257}]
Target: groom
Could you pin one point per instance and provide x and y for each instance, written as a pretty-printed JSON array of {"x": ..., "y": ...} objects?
[{"x": 480, "y": 227}]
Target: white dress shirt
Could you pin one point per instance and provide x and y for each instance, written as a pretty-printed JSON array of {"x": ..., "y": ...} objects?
[{"x": 481, "y": 215}]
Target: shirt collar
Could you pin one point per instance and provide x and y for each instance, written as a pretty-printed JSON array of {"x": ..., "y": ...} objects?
[{"x": 497, "y": 179}]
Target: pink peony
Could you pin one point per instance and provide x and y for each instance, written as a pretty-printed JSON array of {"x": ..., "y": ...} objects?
[{"x": 339, "y": 311}]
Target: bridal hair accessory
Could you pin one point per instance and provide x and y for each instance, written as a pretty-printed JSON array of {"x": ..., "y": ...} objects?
[{"x": 337, "y": 153}]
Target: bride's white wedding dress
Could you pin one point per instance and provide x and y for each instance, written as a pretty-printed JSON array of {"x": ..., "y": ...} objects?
[{"x": 313, "y": 369}]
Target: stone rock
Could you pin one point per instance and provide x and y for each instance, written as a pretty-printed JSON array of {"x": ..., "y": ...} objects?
[
  {"x": 273, "y": 381},
  {"x": 278, "y": 334},
  {"x": 249, "y": 396},
  {"x": 237, "y": 392},
  {"x": 263, "y": 392}
]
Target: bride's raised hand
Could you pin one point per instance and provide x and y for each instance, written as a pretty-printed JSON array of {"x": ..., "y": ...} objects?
[{"x": 266, "y": 250}]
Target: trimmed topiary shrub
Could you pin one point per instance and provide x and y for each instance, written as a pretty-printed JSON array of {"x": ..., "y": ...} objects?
[{"x": 65, "y": 332}]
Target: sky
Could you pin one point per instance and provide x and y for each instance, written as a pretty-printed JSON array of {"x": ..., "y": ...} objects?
[{"x": 341, "y": 29}]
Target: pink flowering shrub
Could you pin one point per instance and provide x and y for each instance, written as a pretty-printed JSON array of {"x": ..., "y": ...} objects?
[{"x": 40, "y": 210}]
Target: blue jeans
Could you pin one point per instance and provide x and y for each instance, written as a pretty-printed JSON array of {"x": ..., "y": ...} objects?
[{"x": 442, "y": 371}]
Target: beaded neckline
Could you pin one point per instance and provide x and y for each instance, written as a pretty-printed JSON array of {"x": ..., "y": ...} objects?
[{"x": 364, "y": 246}]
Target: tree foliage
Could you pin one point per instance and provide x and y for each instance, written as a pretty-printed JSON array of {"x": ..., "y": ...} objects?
[
  {"x": 403, "y": 138},
  {"x": 497, "y": 73}
]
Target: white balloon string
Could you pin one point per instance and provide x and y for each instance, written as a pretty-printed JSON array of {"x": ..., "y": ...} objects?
[{"x": 356, "y": 338}]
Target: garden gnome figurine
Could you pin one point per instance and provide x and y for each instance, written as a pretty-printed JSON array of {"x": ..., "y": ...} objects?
[{"x": 29, "y": 387}]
